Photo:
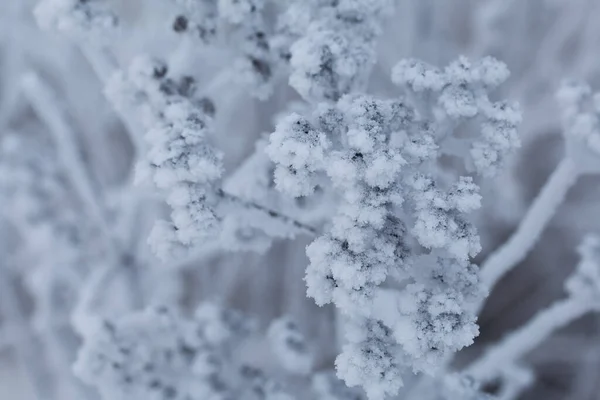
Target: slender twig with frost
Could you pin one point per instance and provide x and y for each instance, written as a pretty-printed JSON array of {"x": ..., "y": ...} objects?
[
  {"x": 584, "y": 297},
  {"x": 543, "y": 208},
  {"x": 582, "y": 136},
  {"x": 26, "y": 345},
  {"x": 46, "y": 104}
]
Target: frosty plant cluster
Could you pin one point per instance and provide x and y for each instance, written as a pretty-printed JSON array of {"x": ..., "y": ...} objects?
[
  {"x": 158, "y": 354},
  {"x": 399, "y": 217},
  {"x": 181, "y": 162},
  {"x": 385, "y": 187}
]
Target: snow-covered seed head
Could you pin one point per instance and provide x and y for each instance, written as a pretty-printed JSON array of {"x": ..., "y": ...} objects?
[
  {"x": 433, "y": 323},
  {"x": 398, "y": 216},
  {"x": 371, "y": 359},
  {"x": 298, "y": 149}
]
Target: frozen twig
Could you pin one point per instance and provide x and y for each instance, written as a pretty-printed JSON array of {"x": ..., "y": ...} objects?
[
  {"x": 580, "y": 111},
  {"x": 47, "y": 106},
  {"x": 510, "y": 254},
  {"x": 526, "y": 338},
  {"x": 584, "y": 296},
  {"x": 26, "y": 345}
]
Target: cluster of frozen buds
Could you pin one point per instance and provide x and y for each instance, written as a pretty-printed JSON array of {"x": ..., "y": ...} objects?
[
  {"x": 183, "y": 164},
  {"x": 157, "y": 354},
  {"x": 330, "y": 45},
  {"x": 399, "y": 216},
  {"x": 88, "y": 19},
  {"x": 241, "y": 24},
  {"x": 147, "y": 88},
  {"x": 460, "y": 93},
  {"x": 179, "y": 160}
]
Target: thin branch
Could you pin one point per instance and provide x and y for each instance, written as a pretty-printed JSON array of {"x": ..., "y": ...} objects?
[
  {"x": 45, "y": 103},
  {"x": 523, "y": 340},
  {"x": 105, "y": 64},
  {"x": 505, "y": 258},
  {"x": 29, "y": 352},
  {"x": 302, "y": 227}
]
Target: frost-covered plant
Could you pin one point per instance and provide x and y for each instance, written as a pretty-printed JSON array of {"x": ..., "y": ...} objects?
[
  {"x": 179, "y": 159},
  {"x": 398, "y": 215},
  {"x": 158, "y": 354},
  {"x": 242, "y": 24},
  {"x": 89, "y": 19},
  {"x": 183, "y": 164},
  {"x": 329, "y": 45},
  {"x": 332, "y": 45},
  {"x": 460, "y": 93},
  {"x": 388, "y": 184}
]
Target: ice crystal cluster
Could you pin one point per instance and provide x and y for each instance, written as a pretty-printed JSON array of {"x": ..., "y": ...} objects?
[{"x": 398, "y": 216}]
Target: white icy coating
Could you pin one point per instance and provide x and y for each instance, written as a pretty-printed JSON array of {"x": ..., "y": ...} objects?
[{"x": 397, "y": 216}]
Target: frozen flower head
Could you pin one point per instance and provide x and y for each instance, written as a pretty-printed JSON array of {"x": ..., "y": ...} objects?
[
  {"x": 187, "y": 169},
  {"x": 240, "y": 25},
  {"x": 88, "y": 19},
  {"x": 300, "y": 150},
  {"x": 585, "y": 281},
  {"x": 458, "y": 94},
  {"x": 178, "y": 160},
  {"x": 331, "y": 53},
  {"x": 147, "y": 87},
  {"x": 371, "y": 359},
  {"x": 400, "y": 216},
  {"x": 327, "y": 64},
  {"x": 580, "y": 110}
]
